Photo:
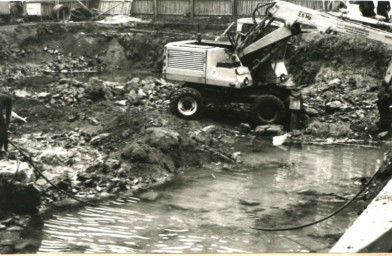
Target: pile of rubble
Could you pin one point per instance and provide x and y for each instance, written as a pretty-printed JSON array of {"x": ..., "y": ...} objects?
[
  {"x": 11, "y": 241},
  {"x": 340, "y": 108},
  {"x": 150, "y": 92},
  {"x": 340, "y": 78},
  {"x": 67, "y": 63},
  {"x": 11, "y": 50},
  {"x": 153, "y": 93},
  {"x": 60, "y": 63},
  {"x": 125, "y": 105}
]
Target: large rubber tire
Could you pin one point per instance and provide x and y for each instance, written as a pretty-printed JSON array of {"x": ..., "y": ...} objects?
[
  {"x": 186, "y": 103},
  {"x": 268, "y": 109}
]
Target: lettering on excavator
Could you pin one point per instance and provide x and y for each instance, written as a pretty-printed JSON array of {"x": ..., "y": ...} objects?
[{"x": 304, "y": 15}]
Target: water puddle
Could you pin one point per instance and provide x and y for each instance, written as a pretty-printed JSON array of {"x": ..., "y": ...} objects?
[{"x": 215, "y": 208}]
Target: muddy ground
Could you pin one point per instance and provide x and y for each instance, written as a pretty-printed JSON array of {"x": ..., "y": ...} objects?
[{"x": 94, "y": 135}]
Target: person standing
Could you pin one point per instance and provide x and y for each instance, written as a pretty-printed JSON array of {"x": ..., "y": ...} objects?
[
  {"x": 367, "y": 8},
  {"x": 383, "y": 8},
  {"x": 5, "y": 108}
]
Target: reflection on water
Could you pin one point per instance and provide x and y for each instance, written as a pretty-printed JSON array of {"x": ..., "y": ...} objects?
[{"x": 215, "y": 208}]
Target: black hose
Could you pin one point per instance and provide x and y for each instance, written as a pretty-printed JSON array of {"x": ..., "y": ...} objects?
[
  {"x": 326, "y": 217},
  {"x": 50, "y": 182}
]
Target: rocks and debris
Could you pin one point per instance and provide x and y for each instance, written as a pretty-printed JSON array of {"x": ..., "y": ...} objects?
[
  {"x": 18, "y": 117},
  {"x": 67, "y": 63},
  {"x": 248, "y": 202},
  {"x": 55, "y": 48},
  {"x": 269, "y": 129},
  {"x": 279, "y": 140},
  {"x": 21, "y": 94},
  {"x": 150, "y": 196},
  {"x": 338, "y": 93},
  {"x": 99, "y": 138},
  {"x": 149, "y": 92},
  {"x": 11, "y": 243},
  {"x": 154, "y": 148},
  {"x": 382, "y": 135},
  {"x": 16, "y": 171}
]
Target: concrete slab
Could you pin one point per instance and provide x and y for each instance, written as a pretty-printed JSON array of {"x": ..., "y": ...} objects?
[{"x": 372, "y": 231}]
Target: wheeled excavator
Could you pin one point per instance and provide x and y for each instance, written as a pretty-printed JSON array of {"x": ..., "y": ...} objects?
[{"x": 249, "y": 67}]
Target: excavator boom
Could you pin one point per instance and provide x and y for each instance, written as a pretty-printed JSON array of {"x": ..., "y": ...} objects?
[{"x": 293, "y": 15}]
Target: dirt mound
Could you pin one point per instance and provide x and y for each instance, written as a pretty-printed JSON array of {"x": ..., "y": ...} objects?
[
  {"x": 346, "y": 56},
  {"x": 340, "y": 78},
  {"x": 126, "y": 125},
  {"x": 146, "y": 51},
  {"x": 35, "y": 49}
]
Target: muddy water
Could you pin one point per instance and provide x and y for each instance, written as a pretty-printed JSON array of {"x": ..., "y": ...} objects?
[{"x": 215, "y": 208}]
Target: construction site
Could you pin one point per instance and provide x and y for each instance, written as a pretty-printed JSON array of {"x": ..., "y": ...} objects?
[{"x": 190, "y": 126}]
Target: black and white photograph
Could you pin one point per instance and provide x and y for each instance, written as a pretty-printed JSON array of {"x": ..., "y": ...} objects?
[{"x": 195, "y": 126}]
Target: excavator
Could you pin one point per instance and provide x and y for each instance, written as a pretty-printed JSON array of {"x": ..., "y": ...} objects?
[{"x": 249, "y": 67}]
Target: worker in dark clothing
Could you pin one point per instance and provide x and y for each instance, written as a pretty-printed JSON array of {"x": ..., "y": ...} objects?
[
  {"x": 5, "y": 106},
  {"x": 367, "y": 8},
  {"x": 383, "y": 8},
  {"x": 383, "y": 103}
]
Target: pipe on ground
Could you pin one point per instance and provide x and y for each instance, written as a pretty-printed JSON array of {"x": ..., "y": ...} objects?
[{"x": 61, "y": 12}]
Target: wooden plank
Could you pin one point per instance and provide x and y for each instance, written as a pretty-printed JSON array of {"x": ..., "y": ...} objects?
[
  {"x": 191, "y": 9},
  {"x": 143, "y": 7},
  {"x": 114, "y": 7},
  {"x": 155, "y": 8},
  {"x": 234, "y": 9},
  {"x": 72, "y": 4},
  {"x": 173, "y": 7},
  {"x": 5, "y": 8},
  {"x": 46, "y": 9},
  {"x": 245, "y": 7},
  {"x": 216, "y": 7}
]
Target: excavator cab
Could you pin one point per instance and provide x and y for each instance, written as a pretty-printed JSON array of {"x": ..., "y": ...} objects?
[
  {"x": 273, "y": 69},
  {"x": 245, "y": 25}
]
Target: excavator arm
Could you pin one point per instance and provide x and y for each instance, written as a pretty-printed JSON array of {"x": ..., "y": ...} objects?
[{"x": 294, "y": 15}]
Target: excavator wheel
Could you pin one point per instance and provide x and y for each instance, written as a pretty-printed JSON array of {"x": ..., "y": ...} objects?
[
  {"x": 268, "y": 109},
  {"x": 186, "y": 103}
]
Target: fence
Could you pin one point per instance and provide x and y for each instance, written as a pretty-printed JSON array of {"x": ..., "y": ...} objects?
[
  {"x": 115, "y": 6},
  {"x": 191, "y": 8}
]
